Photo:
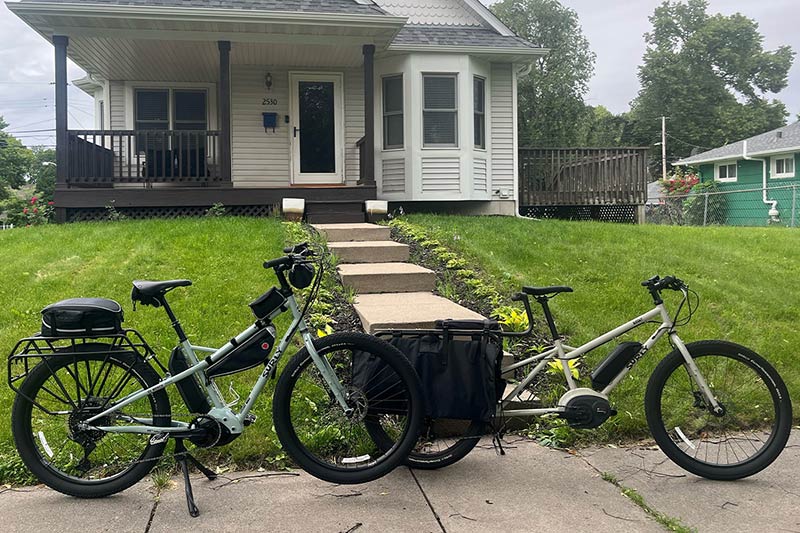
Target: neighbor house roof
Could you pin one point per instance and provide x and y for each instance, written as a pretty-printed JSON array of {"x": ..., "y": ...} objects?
[
  {"x": 467, "y": 36},
  {"x": 783, "y": 139},
  {"x": 350, "y": 7}
]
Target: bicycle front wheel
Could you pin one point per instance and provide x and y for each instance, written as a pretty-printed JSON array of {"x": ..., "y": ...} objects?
[
  {"x": 63, "y": 391},
  {"x": 745, "y": 438},
  {"x": 334, "y": 444}
]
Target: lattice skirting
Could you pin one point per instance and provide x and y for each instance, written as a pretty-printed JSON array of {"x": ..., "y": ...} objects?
[
  {"x": 604, "y": 213},
  {"x": 135, "y": 213}
]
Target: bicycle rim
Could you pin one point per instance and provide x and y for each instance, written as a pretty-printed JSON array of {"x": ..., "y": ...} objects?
[
  {"x": 67, "y": 391},
  {"x": 338, "y": 441},
  {"x": 748, "y": 425}
]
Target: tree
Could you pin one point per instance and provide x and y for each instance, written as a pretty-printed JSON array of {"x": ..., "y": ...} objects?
[
  {"x": 16, "y": 160},
  {"x": 709, "y": 74},
  {"x": 551, "y": 96},
  {"x": 43, "y": 171},
  {"x": 603, "y": 128}
]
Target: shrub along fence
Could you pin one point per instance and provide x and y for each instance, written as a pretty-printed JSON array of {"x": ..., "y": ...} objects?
[{"x": 732, "y": 206}]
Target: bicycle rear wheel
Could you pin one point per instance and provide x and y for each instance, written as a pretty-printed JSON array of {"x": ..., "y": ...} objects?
[
  {"x": 442, "y": 442},
  {"x": 336, "y": 446},
  {"x": 745, "y": 438},
  {"x": 64, "y": 390}
]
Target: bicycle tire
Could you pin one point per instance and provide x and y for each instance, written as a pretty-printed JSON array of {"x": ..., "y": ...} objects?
[
  {"x": 661, "y": 429},
  {"x": 23, "y": 430},
  {"x": 424, "y": 457},
  {"x": 289, "y": 430}
]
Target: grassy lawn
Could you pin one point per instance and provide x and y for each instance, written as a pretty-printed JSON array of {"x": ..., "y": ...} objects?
[
  {"x": 222, "y": 256},
  {"x": 746, "y": 278}
]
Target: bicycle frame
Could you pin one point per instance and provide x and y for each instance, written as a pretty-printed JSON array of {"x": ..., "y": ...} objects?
[
  {"x": 233, "y": 421},
  {"x": 562, "y": 352}
]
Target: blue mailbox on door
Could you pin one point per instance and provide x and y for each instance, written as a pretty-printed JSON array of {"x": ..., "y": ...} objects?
[{"x": 270, "y": 121}]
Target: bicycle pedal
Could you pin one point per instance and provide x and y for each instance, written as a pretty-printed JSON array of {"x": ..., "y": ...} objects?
[{"x": 249, "y": 420}]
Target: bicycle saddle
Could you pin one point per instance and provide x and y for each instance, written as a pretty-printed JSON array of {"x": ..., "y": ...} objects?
[
  {"x": 157, "y": 288},
  {"x": 544, "y": 291}
]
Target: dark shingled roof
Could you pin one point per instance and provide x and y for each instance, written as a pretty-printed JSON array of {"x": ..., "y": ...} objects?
[
  {"x": 423, "y": 34},
  {"x": 770, "y": 141},
  {"x": 349, "y": 7}
]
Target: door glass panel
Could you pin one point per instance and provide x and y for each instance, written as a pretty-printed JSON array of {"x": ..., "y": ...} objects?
[{"x": 317, "y": 127}]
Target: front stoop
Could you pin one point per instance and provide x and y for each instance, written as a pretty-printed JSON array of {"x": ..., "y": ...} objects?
[
  {"x": 411, "y": 310},
  {"x": 354, "y": 232},
  {"x": 370, "y": 251},
  {"x": 370, "y": 278}
]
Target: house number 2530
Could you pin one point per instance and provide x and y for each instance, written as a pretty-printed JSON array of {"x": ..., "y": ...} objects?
[{"x": 270, "y": 101}]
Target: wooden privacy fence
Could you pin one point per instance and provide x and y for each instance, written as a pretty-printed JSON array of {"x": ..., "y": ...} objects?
[{"x": 583, "y": 176}]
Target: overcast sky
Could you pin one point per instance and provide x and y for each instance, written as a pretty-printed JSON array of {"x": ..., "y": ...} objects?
[{"x": 614, "y": 29}]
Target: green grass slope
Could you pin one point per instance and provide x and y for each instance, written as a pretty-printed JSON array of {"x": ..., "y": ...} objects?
[
  {"x": 222, "y": 256},
  {"x": 748, "y": 280}
]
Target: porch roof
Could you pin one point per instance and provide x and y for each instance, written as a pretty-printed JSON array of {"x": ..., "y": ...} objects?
[
  {"x": 299, "y": 6},
  {"x": 176, "y": 40}
]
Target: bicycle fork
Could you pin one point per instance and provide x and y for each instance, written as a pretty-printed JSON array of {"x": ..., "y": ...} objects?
[{"x": 695, "y": 374}]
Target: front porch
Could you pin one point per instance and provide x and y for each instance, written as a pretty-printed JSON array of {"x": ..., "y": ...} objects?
[{"x": 242, "y": 111}]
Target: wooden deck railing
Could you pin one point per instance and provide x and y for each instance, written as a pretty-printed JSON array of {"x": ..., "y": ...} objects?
[
  {"x": 151, "y": 156},
  {"x": 583, "y": 176},
  {"x": 362, "y": 158}
]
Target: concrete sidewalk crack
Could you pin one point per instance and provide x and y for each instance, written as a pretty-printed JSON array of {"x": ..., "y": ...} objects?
[
  {"x": 428, "y": 501},
  {"x": 156, "y": 499}
]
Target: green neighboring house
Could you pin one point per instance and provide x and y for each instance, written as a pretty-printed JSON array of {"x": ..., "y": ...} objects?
[{"x": 764, "y": 169}]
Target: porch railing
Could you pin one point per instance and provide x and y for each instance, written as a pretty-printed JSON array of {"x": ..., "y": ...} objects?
[
  {"x": 98, "y": 158},
  {"x": 582, "y": 176}
]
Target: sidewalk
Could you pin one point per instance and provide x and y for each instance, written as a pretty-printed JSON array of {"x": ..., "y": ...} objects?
[{"x": 531, "y": 488}]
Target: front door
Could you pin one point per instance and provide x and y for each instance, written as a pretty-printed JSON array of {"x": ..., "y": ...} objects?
[{"x": 317, "y": 129}]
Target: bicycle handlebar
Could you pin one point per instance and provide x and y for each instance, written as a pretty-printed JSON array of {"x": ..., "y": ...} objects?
[{"x": 668, "y": 282}]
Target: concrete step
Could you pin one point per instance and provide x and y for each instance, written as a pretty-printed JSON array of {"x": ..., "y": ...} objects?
[
  {"x": 408, "y": 310},
  {"x": 354, "y": 232},
  {"x": 369, "y": 278},
  {"x": 334, "y": 212},
  {"x": 370, "y": 251}
]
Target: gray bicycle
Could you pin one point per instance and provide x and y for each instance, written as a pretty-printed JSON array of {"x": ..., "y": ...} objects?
[
  {"x": 91, "y": 415},
  {"x": 715, "y": 408}
]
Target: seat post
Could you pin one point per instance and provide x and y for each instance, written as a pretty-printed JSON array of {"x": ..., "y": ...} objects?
[
  {"x": 176, "y": 325},
  {"x": 548, "y": 316}
]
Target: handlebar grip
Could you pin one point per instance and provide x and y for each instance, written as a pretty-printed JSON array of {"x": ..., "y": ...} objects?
[
  {"x": 296, "y": 249},
  {"x": 277, "y": 262},
  {"x": 650, "y": 281},
  {"x": 519, "y": 297}
]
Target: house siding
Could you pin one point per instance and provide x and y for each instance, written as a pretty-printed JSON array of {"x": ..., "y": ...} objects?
[
  {"x": 116, "y": 107},
  {"x": 445, "y": 12},
  {"x": 262, "y": 159},
  {"x": 744, "y": 205},
  {"x": 502, "y": 128}
]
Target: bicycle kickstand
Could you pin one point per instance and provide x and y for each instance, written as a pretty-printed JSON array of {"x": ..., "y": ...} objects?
[{"x": 183, "y": 458}]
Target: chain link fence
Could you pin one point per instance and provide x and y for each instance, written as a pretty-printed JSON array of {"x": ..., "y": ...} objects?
[{"x": 731, "y": 206}]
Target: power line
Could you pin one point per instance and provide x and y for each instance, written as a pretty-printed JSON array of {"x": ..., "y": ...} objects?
[
  {"x": 30, "y": 131},
  {"x": 688, "y": 143}
]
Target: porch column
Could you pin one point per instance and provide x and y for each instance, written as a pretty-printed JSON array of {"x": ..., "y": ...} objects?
[
  {"x": 368, "y": 173},
  {"x": 62, "y": 161},
  {"x": 225, "y": 111}
]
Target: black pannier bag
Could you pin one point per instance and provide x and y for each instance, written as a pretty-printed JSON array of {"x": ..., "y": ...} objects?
[
  {"x": 82, "y": 317},
  {"x": 460, "y": 372},
  {"x": 249, "y": 354}
]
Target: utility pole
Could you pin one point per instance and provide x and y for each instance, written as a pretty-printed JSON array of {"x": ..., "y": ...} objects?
[{"x": 664, "y": 148}]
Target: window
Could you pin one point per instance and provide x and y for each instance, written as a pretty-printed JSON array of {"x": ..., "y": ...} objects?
[
  {"x": 439, "y": 110},
  {"x": 189, "y": 109},
  {"x": 393, "y": 112},
  {"x": 152, "y": 110},
  {"x": 479, "y": 105},
  {"x": 726, "y": 172},
  {"x": 783, "y": 166}
]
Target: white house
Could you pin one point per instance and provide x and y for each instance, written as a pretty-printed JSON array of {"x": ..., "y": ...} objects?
[{"x": 246, "y": 102}]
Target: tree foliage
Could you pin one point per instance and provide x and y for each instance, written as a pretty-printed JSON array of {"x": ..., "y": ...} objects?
[
  {"x": 551, "y": 96},
  {"x": 16, "y": 160},
  {"x": 43, "y": 171},
  {"x": 710, "y": 75}
]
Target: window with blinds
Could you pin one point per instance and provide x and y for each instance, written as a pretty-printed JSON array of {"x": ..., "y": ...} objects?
[
  {"x": 479, "y": 107},
  {"x": 440, "y": 110},
  {"x": 190, "y": 110},
  {"x": 152, "y": 109},
  {"x": 393, "y": 112}
]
